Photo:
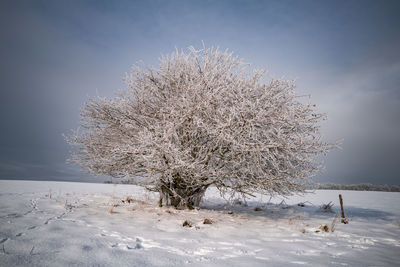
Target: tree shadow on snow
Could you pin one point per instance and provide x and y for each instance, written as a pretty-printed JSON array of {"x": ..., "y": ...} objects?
[{"x": 278, "y": 211}]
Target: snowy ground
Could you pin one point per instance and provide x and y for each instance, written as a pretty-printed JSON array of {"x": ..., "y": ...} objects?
[{"x": 58, "y": 224}]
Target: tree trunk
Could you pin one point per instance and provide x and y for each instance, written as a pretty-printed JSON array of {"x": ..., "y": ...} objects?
[{"x": 181, "y": 196}]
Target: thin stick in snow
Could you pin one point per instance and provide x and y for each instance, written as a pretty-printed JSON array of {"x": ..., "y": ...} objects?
[{"x": 344, "y": 220}]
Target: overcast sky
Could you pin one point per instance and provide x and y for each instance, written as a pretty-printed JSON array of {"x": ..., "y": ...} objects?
[{"x": 55, "y": 54}]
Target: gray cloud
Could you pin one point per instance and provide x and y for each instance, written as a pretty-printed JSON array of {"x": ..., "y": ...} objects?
[{"x": 57, "y": 53}]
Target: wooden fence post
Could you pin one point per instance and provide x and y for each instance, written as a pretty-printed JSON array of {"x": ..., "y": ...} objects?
[{"x": 344, "y": 220}]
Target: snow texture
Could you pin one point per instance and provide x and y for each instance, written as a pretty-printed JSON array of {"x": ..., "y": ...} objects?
[{"x": 60, "y": 224}]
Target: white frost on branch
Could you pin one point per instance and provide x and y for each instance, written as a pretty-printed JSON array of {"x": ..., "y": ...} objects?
[{"x": 200, "y": 119}]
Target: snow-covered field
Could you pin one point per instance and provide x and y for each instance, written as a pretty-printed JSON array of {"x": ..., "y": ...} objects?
[{"x": 59, "y": 224}]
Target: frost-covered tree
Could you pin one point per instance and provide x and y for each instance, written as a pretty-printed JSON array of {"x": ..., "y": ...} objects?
[{"x": 201, "y": 119}]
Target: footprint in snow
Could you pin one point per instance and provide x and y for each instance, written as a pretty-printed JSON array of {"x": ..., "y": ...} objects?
[
  {"x": 13, "y": 215},
  {"x": 86, "y": 248},
  {"x": 138, "y": 245}
]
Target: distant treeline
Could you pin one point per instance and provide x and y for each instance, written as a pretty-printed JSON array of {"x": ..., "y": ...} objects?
[{"x": 359, "y": 187}]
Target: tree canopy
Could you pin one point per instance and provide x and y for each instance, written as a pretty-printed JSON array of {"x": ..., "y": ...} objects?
[{"x": 202, "y": 118}]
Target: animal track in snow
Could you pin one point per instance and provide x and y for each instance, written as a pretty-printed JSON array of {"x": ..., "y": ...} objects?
[
  {"x": 137, "y": 245},
  {"x": 310, "y": 252},
  {"x": 13, "y": 215},
  {"x": 54, "y": 218}
]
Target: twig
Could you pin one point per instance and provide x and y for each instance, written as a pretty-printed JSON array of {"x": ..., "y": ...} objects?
[
  {"x": 333, "y": 225},
  {"x": 327, "y": 207},
  {"x": 4, "y": 250},
  {"x": 30, "y": 253},
  {"x": 111, "y": 210}
]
